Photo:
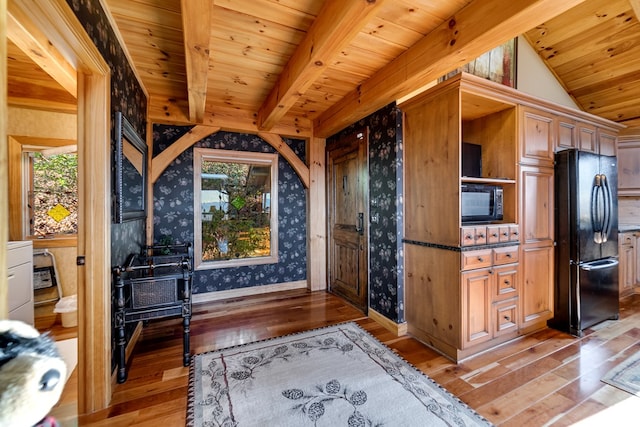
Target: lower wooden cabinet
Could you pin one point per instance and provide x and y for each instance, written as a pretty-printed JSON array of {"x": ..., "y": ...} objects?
[
  {"x": 476, "y": 307},
  {"x": 536, "y": 292},
  {"x": 462, "y": 303},
  {"x": 489, "y": 303},
  {"x": 627, "y": 254},
  {"x": 505, "y": 314}
]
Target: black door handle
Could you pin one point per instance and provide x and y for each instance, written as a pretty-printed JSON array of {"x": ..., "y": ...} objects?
[{"x": 360, "y": 226}]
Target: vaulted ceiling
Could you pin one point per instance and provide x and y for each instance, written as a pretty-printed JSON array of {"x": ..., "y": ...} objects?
[{"x": 311, "y": 67}]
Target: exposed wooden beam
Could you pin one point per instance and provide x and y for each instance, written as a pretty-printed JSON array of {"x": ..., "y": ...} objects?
[
  {"x": 229, "y": 119},
  {"x": 25, "y": 34},
  {"x": 475, "y": 29},
  {"x": 196, "y": 25},
  {"x": 336, "y": 25},
  {"x": 164, "y": 159},
  {"x": 285, "y": 151}
]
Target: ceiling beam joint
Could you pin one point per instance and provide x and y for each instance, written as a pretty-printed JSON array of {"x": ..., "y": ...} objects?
[{"x": 336, "y": 25}]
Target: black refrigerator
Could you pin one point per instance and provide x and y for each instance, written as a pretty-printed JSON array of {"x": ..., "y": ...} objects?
[{"x": 586, "y": 255}]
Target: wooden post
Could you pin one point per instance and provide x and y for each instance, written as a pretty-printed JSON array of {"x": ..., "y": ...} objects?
[{"x": 317, "y": 217}]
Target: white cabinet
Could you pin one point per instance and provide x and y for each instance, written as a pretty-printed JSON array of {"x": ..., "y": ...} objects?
[{"x": 20, "y": 269}]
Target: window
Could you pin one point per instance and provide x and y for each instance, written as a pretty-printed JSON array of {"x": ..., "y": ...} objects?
[
  {"x": 52, "y": 191},
  {"x": 235, "y": 208}
]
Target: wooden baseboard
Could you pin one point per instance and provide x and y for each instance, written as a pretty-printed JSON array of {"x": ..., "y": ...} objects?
[
  {"x": 243, "y": 292},
  {"x": 399, "y": 329}
]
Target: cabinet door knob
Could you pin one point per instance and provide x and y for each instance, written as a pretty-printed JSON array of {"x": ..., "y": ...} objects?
[
  {"x": 507, "y": 318},
  {"x": 480, "y": 259},
  {"x": 508, "y": 255},
  {"x": 506, "y": 282}
]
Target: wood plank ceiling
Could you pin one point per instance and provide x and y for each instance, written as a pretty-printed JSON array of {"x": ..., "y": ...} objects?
[{"x": 303, "y": 67}]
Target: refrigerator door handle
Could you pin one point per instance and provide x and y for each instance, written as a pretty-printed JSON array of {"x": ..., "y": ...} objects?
[
  {"x": 608, "y": 203},
  {"x": 596, "y": 224},
  {"x": 599, "y": 265}
]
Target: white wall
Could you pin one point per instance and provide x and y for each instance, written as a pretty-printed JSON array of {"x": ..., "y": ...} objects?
[{"x": 534, "y": 78}]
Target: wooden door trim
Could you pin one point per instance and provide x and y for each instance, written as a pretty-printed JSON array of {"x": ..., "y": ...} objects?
[
  {"x": 4, "y": 174},
  {"x": 56, "y": 19}
]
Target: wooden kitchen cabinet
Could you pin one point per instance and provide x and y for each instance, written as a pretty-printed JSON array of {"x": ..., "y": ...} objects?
[
  {"x": 489, "y": 294},
  {"x": 476, "y": 307},
  {"x": 607, "y": 142},
  {"x": 538, "y": 130},
  {"x": 628, "y": 146},
  {"x": 469, "y": 287},
  {"x": 587, "y": 138},
  {"x": 566, "y": 133},
  {"x": 536, "y": 291},
  {"x": 537, "y": 204},
  {"x": 627, "y": 254}
]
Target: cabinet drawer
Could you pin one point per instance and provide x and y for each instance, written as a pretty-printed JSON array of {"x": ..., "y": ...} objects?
[
  {"x": 506, "y": 283},
  {"x": 19, "y": 254},
  {"x": 506, "y": 255},
  {"x": 467, "y": 236},
  {"x": 514, "y": 233},
  {"x": 493, "y": 234},
  {"x": 505, "y": 234},
  {"x": 20, "y": 287},
  {"x": 476, "y": 235},
  {"x": 506, "y": 317},
  {"x": 476, "y": 259}
]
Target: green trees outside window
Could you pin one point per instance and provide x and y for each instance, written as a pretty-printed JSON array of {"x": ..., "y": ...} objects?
[{"x": 235, "y": 205}]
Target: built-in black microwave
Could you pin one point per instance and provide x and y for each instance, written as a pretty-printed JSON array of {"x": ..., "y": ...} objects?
[{"x": 481, "y": 203}]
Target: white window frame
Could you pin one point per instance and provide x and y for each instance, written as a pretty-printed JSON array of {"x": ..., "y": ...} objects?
[{"x": 230, "y": 156}]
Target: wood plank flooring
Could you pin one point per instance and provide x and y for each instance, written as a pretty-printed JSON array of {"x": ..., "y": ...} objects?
[{"x": 546, "y": 378}]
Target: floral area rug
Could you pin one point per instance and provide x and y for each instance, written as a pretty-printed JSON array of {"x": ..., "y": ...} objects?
[
  {"x": 334, "y": 376},
  {"x": 626, "y": 376}
]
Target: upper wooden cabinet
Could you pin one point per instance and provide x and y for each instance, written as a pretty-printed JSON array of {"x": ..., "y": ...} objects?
[
  {"x": 436, "y": 124},
  {"x": 539, "y": 136},
  {"x": 628, "y": 145},
  {"x": 567, "y": 133},
  {"x": 587, "y": 140},
  {"x": 607, "y": 142}
]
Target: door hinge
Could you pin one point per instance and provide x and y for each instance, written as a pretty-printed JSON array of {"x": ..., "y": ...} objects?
[{"x": 80, "y": 260}]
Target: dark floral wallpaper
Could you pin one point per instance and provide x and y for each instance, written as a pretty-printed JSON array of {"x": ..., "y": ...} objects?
[
  {"x": 126, "y": 96},
  {"x": 386, "y": 279},
  {"x": 173, "y": 210},
  {"x": 173, "y": 193}
]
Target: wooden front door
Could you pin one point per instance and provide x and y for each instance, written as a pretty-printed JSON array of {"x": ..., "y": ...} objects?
[{"x": 347, "y": 214}]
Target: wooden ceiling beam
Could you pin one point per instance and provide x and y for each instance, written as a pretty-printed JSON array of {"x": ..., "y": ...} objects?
[
  {"x": 25, "y": 34},
  {"x": 475, "y": 29},
  {"x": 335, "y": 26},
  {"x": 229, "y": 119},
  {"x": 196, "y": 24}
]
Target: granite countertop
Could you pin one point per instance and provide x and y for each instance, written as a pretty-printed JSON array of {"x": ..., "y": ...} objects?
[{"x": 624, "y": 228}]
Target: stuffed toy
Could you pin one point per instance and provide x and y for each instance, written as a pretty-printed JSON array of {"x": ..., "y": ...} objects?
[{"x": 32, "y": 376}]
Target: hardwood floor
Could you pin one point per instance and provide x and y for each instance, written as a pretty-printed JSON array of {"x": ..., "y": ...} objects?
[{"x": 547, "y": 378}]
